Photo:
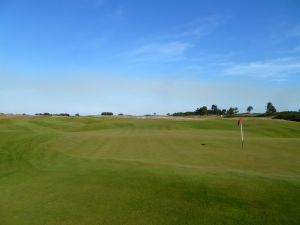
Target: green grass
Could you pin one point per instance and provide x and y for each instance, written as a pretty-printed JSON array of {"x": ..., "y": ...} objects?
[{"x": 128, "y": 171}]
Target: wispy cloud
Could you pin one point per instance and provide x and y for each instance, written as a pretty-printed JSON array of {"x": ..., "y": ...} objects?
[
  {"x": 294, "y": 50},
  {"x": 96, "y": 3},
  {"x": 117, "y": 13},
  {"x": 173, "y": 45},
  {"x": 90, "y": 44},
  {"x": 276, "y": 68},
  {"x": 294, "y": 32},
  {"x": 168, "y": 51},
  {"x": 198, "y": 28}
]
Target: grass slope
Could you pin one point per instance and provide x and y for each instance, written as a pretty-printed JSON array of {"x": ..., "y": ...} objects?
[{"x": 79, "y": 171}]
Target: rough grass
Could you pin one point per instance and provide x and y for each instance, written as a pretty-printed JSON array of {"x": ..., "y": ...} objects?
[{"x": 96, "y": 171}]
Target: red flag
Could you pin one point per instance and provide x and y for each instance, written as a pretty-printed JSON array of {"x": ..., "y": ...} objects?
[{"x": 240, "y": 121}]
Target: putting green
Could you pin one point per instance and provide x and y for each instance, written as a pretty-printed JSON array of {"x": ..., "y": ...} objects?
[{"x": 127, "y": 171}]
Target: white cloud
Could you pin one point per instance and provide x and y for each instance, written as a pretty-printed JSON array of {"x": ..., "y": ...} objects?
[
  {"x": 167, "y": 51},
  {"x": 276, "y": 68}
]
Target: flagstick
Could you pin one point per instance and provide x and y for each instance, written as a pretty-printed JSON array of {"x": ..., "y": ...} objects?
[{"x": 242, "y": 135}]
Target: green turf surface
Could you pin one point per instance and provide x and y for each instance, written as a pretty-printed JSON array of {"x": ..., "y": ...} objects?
[{"x": 128, "y": 171}]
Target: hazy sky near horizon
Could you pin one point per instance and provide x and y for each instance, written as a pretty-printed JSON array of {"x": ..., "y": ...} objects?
[{"x": 139, "y": 57}]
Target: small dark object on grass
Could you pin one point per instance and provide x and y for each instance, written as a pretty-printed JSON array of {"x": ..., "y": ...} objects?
[{"x": 203, "y": 144}]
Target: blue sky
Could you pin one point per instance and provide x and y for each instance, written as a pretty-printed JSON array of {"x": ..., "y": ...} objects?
[{"x": 138, "y": 57}]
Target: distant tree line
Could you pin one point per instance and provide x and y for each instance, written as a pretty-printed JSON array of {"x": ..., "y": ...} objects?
[
  {"x": 77, "y": 114},
  {"x": 233, "y": 111},
  {"x": 107, "y": 114},
  {"x": 288, "y": 115},
  {"x": 214, "y": 110},
  {"x": 50, "y": 114}
]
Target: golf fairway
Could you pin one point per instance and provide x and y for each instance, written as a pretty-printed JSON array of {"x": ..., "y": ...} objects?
[{"x": 134, "y": 171}]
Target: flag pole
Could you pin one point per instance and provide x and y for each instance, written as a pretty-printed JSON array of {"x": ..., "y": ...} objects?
[{"x": 242, "y": 135}]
